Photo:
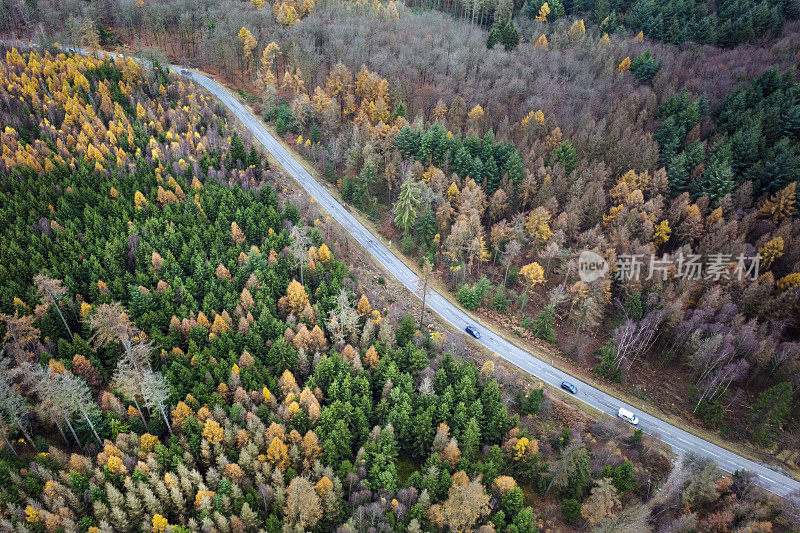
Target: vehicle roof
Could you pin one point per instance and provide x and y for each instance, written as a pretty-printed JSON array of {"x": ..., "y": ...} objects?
[{"x": 624, "y": 411}]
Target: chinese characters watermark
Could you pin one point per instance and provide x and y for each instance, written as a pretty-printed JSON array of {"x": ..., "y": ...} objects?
[{"x": 713, "y": 267}]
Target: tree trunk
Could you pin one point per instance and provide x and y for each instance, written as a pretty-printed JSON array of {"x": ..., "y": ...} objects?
[
  {"x": 61, "y": 430},
  {"x": 10, "y": 445},
  {"x": 140, "y": 410},
  {"x": 126, "y": 345},
  {"x": 166, "y": 421},
  {"x": 73, "y": 431},
  {"x": 59, "y": 314},
  {"x": 86, "y": 416},
  {"x": 27, "y": 435},
  {"x": 554, "y": 478}
]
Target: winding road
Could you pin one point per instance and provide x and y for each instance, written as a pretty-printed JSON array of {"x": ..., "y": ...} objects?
[{"x": 679, "y": 440}]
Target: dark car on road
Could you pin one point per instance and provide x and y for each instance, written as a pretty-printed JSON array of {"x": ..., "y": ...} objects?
[
  {"x": 569, "y": 387},
  {"x": 472, "y": 330}
]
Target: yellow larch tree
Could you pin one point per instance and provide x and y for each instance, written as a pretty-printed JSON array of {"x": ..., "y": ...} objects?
[
  {"x": 212, "y": 431},
  {"x": 770, "y": 251},
  {"x": 220, "y": 326},
  {"x": 453, "y": 193},
  {"x": 249, "y": 44},
  {"x": 236, "y": 233},
  {"x": 662, "y": 233},
  {"x": 285, "y": 13},
  {"x": 533, "y": 274},
  {"x": 527, "y": 120},
  {"x": 475, "y": 116},
  {"x": 296, "y": 296},
  {"x": 543, "y": 12},
  {"x": 288, "y": 383},
  {"x": 371, "y": 357},
  {"x": 202, "y": 320},
  {"x": 537, "y": 225},
  {"x": 577, "y": 30},
  {"x": 323, "y": 486},
  {"x": 364, "y": 307},
  {"x": 139, "y": 200},
  {"x": 320, "y": 100},
  {"x": 293, "y": 81},
  {"x": 780, "y": 205},
  {"x": 789, "y": 281},
  {"x": 180, "y": 413},
  {"x": 278, "y": 453},
  {"x": 324, "y": 254},
  {"x": 269, "y": 63}
]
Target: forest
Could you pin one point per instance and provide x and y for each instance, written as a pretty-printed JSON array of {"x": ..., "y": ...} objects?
[
  {"x": 167, "y": 309},
  {"x": 165, "y": 370},
  {"x": 499, "y": 166}
]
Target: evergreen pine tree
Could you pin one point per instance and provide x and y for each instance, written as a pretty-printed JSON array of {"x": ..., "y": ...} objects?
[
  {"x": 462, "y": 162},
  {"x": 514, "y": 168},
  {"x": 566, "y": 155},
  {"x": 492, "y": 175},
  {"x": 542, "y": 326},
  {"x": 644, "y": 66}
]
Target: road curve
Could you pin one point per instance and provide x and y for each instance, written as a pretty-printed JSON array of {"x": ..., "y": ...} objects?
[{"x": 679, "y": 440}]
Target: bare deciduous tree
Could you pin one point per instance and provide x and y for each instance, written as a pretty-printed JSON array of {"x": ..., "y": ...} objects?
[
  {"x": 22, "y": 337},
  {"x": 55, "y": 291},
  {"x": 14, "y": 410},
  {"x": 155, "y": 391},
  {"x": 299, "y": 248},
  {"x": 633, "y": 339},
  {"x": 510, "y": 254},
  {"x": 76, "y": 396},
  {"x": 53, "y": 401},
  {"x": 348, "y": 315},
  {"x": 126, "y": 380},
  {"x": 302, "y": 503},
  {"x": 112, "y": 324}
]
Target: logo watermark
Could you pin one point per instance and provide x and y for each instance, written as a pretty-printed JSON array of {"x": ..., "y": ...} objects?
[
  {"x": 713, "y": 267},
  {"x": 591, "y": 266}
]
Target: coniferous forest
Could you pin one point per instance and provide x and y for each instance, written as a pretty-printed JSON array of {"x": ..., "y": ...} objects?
[{"x": 189, "y": 343}]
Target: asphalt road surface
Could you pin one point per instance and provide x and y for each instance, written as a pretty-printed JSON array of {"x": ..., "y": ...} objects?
[{"x": 681, "y": 441}]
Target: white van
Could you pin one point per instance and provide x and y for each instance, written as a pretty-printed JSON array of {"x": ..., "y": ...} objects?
[{"x": 627, "y": 416}]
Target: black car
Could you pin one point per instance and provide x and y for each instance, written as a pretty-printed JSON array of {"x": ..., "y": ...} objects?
[
  {"x": 472, "y": 330},
  {"x": 569, "y": 387}
]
